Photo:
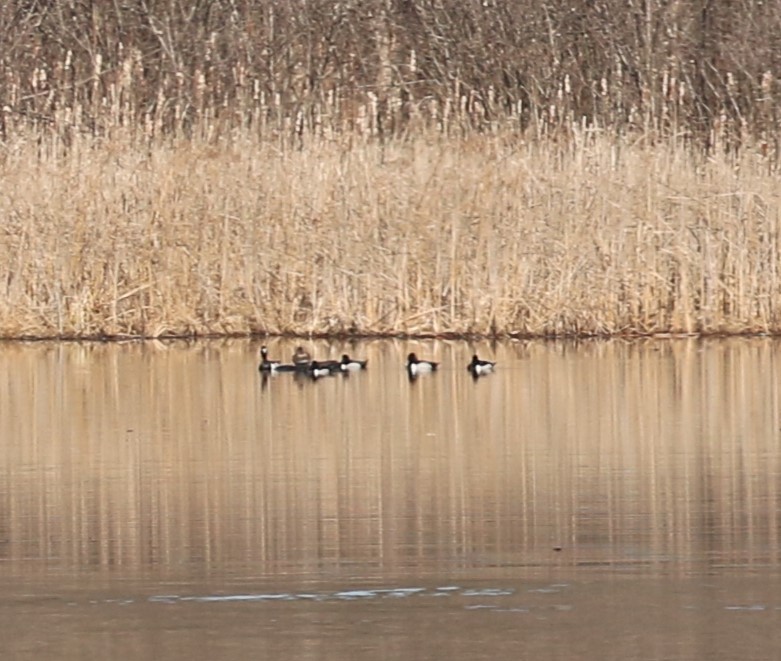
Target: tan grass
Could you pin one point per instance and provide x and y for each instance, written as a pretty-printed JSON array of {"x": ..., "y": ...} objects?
[{"x": 484, "y": 234}]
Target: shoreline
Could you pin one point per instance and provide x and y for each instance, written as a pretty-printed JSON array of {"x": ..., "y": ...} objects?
[{"x": 510, "y": 337}]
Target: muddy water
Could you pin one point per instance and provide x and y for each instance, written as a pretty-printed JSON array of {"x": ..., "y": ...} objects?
[{"x": 594, "y": 500}]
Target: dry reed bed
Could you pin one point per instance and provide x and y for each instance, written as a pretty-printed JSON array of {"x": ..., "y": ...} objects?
[{"x": 428, "y": 235}]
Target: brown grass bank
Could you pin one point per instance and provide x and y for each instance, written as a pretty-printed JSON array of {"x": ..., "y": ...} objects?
[
  {"x": 171, "y": 167},
  {"x": 485, "y": 234}
]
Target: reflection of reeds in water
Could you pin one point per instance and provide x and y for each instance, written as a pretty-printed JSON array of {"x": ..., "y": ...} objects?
[
  {"x": 480, "y": 234},
  {"x": 660, "y": 454}
]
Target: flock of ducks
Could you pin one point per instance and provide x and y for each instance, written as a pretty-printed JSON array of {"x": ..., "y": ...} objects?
[{"x": 302, "y": 363}]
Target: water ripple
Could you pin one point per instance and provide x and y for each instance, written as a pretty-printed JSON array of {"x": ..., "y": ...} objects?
[{"x": 340, "y": 595}]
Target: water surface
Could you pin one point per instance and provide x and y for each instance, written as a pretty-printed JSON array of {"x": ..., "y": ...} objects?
[{"x": 605, "y": 500}]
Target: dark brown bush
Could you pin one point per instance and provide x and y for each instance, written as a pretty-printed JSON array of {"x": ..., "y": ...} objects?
[{"x": 701, "y": 69}]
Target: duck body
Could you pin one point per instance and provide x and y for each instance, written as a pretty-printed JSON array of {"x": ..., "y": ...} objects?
[
  {"x": 480, "y": 367},
  {"x": 348, "y": 364},
  {"x": 279, "y": 367},
  {"x": 415, "y": 366},
  {"x": 332, "y": 365},
  {"x": 319, "y": 369}
]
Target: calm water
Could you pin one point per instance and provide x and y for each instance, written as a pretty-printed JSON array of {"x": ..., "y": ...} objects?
[{"x": 591, "y": 501}]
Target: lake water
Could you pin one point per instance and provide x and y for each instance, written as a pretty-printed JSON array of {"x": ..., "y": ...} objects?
[{"x": 594, "y": 500}]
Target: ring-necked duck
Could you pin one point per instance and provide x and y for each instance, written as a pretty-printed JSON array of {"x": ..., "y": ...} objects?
[
  {"x": 268, "y": 365},
  {"x": 416, "y": 366},
  {"x": 333, "y": 365},
  {"x": 480, "y": 367},
  {"x": 318, "y": 369},
  {"x": 352, "y": 364}
]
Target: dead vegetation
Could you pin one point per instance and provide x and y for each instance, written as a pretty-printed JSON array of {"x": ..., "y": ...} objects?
[{"x": 388, "y": 167}]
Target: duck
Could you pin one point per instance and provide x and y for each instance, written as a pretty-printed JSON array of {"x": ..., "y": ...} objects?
[
  {"x": 301, "y": 358},
  {"x": 480, "y": 367},
  {"x": 348, "y": 364},
  {"x": 416, "y": 366},
  {"x": 333, "y": 365},
  {"x": 273, "y": 366},
  {"x": 318, "y": 369},
  {"x": 266, "y": 365}
]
